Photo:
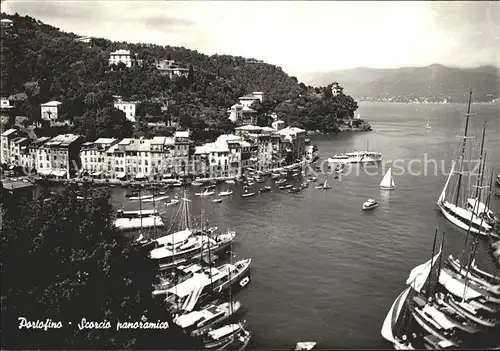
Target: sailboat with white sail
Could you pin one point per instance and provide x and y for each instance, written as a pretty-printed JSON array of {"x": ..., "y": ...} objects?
[
  {"x": 456, "y": 211},
  {"x": 387, "y": 182}
]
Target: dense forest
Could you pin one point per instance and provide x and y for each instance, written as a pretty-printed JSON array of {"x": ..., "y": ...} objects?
[
  {"x": 62, "y": 261},
  {"x": 40, "y": 63}
]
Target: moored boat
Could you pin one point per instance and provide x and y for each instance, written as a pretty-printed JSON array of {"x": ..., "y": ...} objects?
[
  {"x": 247, "y": 193},
  {"x": 216, "y": 201},
  {"x": 285, "y": 186},
  {"x": 226, "y": 193},
  {"x": 206, "y": 193},
  {"x": 294, "y": 190},
  {"x": 265, "y": 189}
]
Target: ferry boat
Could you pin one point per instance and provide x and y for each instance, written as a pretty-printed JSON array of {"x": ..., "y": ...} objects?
[{"x": 356, "y": 157}]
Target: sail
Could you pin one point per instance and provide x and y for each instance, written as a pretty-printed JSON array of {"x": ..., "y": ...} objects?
[
  {"x": 387, "y": 181},
  {"x": 419, "y": 275},
  {"x": 443, "y": 193},
  {"x": 393, "y": 316},
  {"x": 193, "y": 297}
]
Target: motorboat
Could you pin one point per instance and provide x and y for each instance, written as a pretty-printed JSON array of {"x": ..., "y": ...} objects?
[
  {"x": 340, "y": 168},
  {"x": 265, "y": 189},
  {"x": 196, "y": 183},
  {"x": 206, "y": 193},
  {"x": 217, "y": 200},
  {"x": 226, "y": 335},
  {"x": 294, "y": 190},
  {"x": 226, "y": 193},
  {"x": 286, "y": 186},
  {"x": 356, "y": 157},
  {"x": 305, "y": 185},
  {"x": 281, "y": 181},
  {"x": 156, "y": 199},
  {"x": 197, "y": 322},
  {"x": 247, "y": 193},
  {"x": 305, "y": 345},
  {"x": 312, "y": 179},
  {"x": 370, "y": 204},
  {"x": 230, "y": 181}
]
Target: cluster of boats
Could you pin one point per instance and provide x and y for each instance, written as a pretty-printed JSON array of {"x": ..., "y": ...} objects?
[
  {"x": 456, "y": 304},
  {"x": 197, "y": 287}
]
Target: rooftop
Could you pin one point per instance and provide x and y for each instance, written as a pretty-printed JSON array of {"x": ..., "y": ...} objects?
[
  {"x": 248, "y": 127},
  {"x": 63, "y": 140},
  {"x": 121, "y": 52},
  {"x": 6, "y": 20},
  {"x": 20, "y": 140},
  {"x": 40, "y": 141},
  {"x": 105, "y": 141},
  {"x": 51, "y": 103},
  {"x": 9, "y": 132},
  {"x": 182, "y": 134},
  {"x": 248, "y": 97}
]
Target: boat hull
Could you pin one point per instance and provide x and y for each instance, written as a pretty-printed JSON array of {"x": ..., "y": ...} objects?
[
  {"x": 369, "y": 207},
  {"x": 456, "y": 221}
]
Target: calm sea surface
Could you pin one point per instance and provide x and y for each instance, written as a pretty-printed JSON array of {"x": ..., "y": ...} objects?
[{"x": 323, "y": 270}]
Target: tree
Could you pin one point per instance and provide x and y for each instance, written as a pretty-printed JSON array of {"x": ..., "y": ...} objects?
[
  {"x": 106, "y": 123},
  {"x": 62, "y": 259}
]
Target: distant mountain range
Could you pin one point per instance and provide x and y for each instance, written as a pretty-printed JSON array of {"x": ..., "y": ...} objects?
[{"x": 435, "y": 83}]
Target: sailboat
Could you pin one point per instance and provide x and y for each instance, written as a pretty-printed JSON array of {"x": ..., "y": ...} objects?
[
  {"x": 387, "y": 182},
  {"x": 457, "y": 212},
  {"x": 428, "y": 125},
  {"x": 393, "y": 328}
]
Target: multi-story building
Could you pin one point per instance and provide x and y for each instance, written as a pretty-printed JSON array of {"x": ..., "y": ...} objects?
[
  {"x": 5, "y": 104},
  {"x": 296, "y": 138},
  {"x": 181, "y": 152},
  {"x": 60, "y": 156},
  {"x": 248, "y": 100},
  {"x": 6, "y": 23},
  {"x": 19, "y": 153},
  {"x": 337, "y": 89},
  {"x": 220, "y": 159},
  {"x": 123, "y": 56},
  {"x": 94, "y": 158},
  {"x": 51, "y": 110},
  {"x": 38, "y": 159},
  {"x": 162, "y": 149},
  {"x": 128, "y": 107},
  {"x": 130, "y": 158},
  {"x": 171, "y": 69},
  {"x": 6, "y": 139}
]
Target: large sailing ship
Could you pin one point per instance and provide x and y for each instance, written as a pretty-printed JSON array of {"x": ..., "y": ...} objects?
[{"x": 454, "y": 203}]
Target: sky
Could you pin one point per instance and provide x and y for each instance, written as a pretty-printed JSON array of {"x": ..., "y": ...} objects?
[{"x": 299, "y": 36}]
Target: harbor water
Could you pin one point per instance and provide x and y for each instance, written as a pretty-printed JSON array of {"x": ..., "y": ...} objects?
[{"x": 324, "y": 270}]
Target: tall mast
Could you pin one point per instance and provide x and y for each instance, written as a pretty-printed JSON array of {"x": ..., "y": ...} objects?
[
  {"x": 464, "y": 143},
  {"x": 154, "y": 215},
  {"x": 428, "y": 292},
  {"x": 140, "y": 208},
  {"x": 482, "y": 163}
]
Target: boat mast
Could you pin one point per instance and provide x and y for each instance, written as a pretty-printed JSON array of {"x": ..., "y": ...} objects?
[
  {"x": 464, "y": 143},
  {"x": 229, "y": 279},
  {"x": 154, "y": 215},
  {"x": 428, "y": 292},
  {"x": 482, "y": 163},
  {"x": 140, "y": 209}
]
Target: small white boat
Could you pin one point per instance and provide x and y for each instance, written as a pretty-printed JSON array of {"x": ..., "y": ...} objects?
[
  {"x": 206, "y": 193},
  {"x": 340, "y": 168},
  {"x": 230, "y": 181},
  {"x": 172, "y": 202},
  {"x": 247, "y": 194},
  {"x": 143, "y": 197},
  {"x": 217, "y": 200},
  {"x": 265, "y": 189},
  {"x": 428, "y": 125},
  {"x": 387, "y": 182},
  {"x": 226, "y": 193},
  {"x": 195, "y": 183},
  {"x": 305, "y": 345},
  {"x": 369, "y": 204},
  {"x": 250, "y": 183},
  {"x": 312, "y": 179},
  {"x": 155, "y": 199},
  {"x": 295, "y": 174}
]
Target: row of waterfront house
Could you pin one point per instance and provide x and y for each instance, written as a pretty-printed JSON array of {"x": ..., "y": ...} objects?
[{"x": 67, "y": 156}]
